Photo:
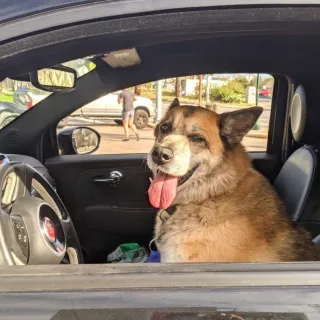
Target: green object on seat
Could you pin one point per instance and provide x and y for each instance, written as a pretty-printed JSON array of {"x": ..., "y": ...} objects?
[{"x": 128, "y": 253}]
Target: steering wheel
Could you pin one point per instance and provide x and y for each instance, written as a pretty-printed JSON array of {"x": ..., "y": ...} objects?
[{"x": 33, "y": 230}]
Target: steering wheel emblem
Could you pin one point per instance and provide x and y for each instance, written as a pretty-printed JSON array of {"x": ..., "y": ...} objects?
[{"x": 49, "y": 229}]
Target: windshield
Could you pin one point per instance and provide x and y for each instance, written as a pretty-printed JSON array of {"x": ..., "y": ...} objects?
[{"x": 17, "y": 97}]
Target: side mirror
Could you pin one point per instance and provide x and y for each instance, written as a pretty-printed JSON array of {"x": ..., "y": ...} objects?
[
  {"x": 54, "y": 79},
  {"x": 78, "y": 140}
]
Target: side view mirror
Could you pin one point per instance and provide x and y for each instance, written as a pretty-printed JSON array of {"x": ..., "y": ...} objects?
[
  {"x": 78, "y": 140},
  {"x": 54, "y": 79}
]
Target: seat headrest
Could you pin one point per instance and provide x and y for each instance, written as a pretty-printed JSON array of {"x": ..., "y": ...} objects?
[{"x": 295, "y": 180}]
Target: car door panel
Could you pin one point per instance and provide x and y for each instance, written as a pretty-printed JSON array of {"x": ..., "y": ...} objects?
[
  {"x": 95, "y": 108},
  {"x": 113, "y": 108},
  {"x": 107, "y": 216},
  {"x": 119, "y": 214},
  {"x": 131, "y": 190}
]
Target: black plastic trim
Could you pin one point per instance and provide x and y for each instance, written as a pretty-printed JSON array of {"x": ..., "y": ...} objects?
[
  {"x": 173, "y": 26},
  {"x": 279, "y": 107}
]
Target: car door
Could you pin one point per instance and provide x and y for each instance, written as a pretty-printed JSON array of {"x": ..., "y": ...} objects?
[
  {"x": 161, "y": 291},
  {"x": 96, "y": 108},
  {"x": 113, "y": 108},
  {"x": 105, "y": 214}
]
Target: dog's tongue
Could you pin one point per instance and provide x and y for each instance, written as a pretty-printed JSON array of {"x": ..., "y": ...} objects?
[{"x": 163, "y": 190}]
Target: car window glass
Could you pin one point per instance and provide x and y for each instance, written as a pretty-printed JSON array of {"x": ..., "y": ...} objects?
[{"x": 225, "y": 93}]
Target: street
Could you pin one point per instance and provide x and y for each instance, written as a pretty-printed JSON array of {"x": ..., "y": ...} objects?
[{"x": 112, "y": 134}]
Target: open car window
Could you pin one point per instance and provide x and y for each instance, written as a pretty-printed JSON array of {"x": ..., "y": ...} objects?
[{"x": 219, "y": 92}]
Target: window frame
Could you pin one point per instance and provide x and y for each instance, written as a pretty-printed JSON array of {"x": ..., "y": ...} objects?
[{"x": 20, "y": 280}]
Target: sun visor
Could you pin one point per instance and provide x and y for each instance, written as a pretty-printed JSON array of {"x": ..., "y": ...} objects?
[{"x": 122, "y": 58}]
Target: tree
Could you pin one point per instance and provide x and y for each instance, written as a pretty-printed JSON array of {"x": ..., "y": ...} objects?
[{"x": 243, "y": 80}]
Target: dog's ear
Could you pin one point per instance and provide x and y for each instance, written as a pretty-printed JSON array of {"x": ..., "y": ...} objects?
[
  {"x": 174, "y": 103},
  {"x": 235, "y": 125}
]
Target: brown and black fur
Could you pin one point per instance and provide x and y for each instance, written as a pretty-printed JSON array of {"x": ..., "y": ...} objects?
[{"x": 226, "y": 211}]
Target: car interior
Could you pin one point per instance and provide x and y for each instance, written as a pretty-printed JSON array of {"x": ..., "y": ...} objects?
[{"x": 98, "y": 217}]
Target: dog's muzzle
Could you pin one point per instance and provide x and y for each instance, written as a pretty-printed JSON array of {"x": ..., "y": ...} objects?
[{"x": 161, "y": 155}]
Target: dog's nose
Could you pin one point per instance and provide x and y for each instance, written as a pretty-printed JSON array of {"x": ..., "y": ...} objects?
[{"x": 161, "y": 155}]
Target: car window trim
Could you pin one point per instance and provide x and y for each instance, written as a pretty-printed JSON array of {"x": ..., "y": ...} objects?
[{"x": 161, "y": 276}]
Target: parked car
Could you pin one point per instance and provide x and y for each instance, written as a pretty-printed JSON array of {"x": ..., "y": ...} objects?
[
  {"x": 8, "y": 112},
  {"x": 265, "y": 93},
  {"x": 26, "y": 98},
  {"x": 107, "y": 107},
  {"x": 22, "y": 98}
]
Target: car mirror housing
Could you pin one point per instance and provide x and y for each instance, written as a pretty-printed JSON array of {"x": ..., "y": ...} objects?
[
  {"x": 54, "y": 79},
  {"x": 78, "y": 140}
]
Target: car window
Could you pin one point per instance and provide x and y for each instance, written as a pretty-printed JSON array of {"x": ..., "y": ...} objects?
[
  {"x": 220, "y": 92},
  {"x": 17, "y": 97}
]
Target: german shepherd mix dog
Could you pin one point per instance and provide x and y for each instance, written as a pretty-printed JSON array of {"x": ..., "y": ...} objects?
[{"x": 215, "y": 206}]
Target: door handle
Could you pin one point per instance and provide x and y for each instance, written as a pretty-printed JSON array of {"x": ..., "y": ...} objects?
[{"x": 113, "y": 180}]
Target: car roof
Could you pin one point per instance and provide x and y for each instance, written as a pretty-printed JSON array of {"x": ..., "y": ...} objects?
[
  {"x": 13, "y": 9},
  {"x": 18, "y": 18}
]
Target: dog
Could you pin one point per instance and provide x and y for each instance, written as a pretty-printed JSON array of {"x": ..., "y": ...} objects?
[{"x": 215, "y": 207}]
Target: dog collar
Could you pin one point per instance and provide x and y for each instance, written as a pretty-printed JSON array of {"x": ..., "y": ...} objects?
[{"x": 170, "y": 211}]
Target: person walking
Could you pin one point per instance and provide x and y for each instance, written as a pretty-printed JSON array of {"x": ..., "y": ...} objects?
[{"x": 127, "y": 97}]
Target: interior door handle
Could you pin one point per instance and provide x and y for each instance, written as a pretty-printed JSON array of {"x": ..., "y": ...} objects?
[{"x": 113, "y": 180}]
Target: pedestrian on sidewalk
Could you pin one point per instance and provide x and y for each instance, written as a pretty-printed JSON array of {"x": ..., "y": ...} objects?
[{"x": 127, "y": 97}]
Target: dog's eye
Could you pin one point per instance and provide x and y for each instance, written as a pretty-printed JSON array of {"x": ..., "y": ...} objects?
[
  {"x": 196, "y": 138},
  {"x": 165, "y": 128}
]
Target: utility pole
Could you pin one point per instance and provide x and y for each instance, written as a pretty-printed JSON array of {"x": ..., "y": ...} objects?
[
  {"x": 158, "y": 100},
  {"x": 178, "y": 87},
  {"x": 257, "y": 90},
  {"x": 257, "y": 124},
  {"x": 200, "y": 89},
  {"x": 207, "y": 89}
]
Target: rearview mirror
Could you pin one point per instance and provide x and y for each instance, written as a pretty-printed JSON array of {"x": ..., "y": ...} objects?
[
  {"x": 78, "y": 140},
  {"x": 54, "y": 79}
]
